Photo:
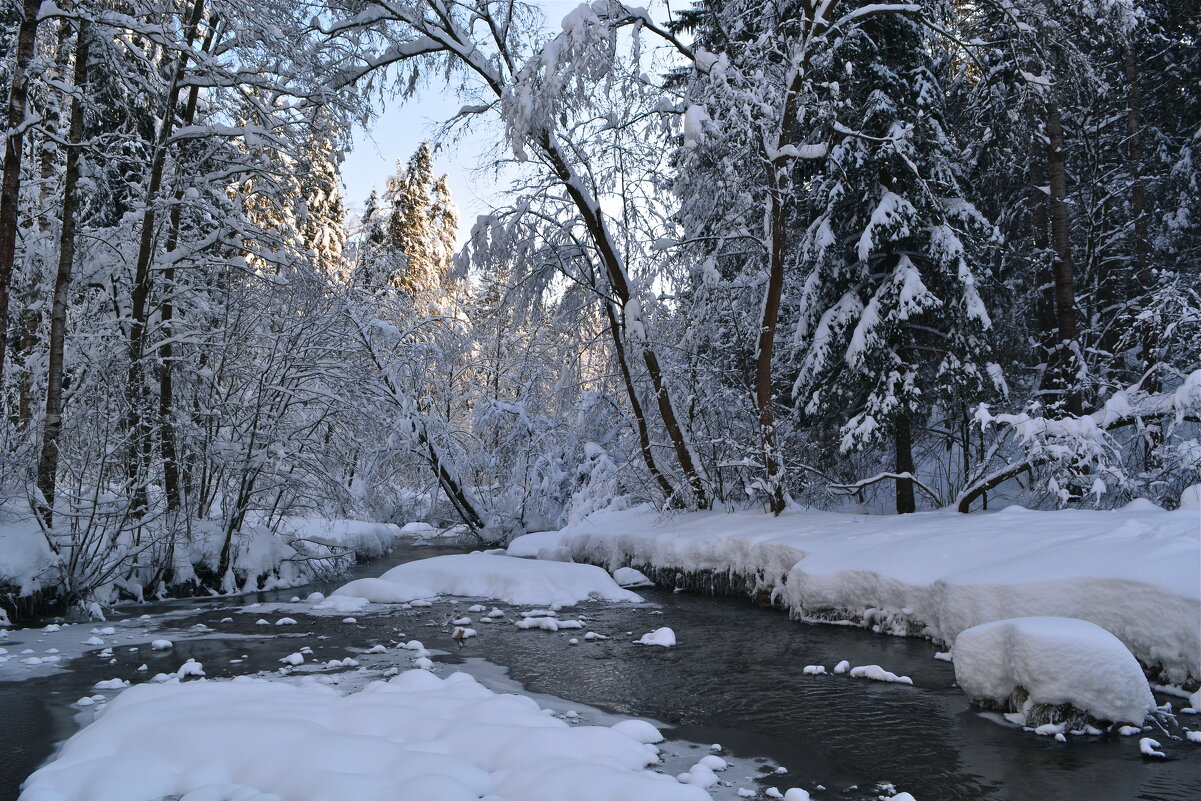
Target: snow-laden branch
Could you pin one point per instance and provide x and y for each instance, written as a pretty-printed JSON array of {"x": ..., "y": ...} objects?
[
  {"x": 851, "y": 489},
  {"x": 1081, "y": 439}
]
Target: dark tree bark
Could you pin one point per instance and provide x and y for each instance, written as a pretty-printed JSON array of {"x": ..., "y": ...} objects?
[
  {"x": 903, "y": 435},
  {"x": 1040, "y": 225},
  {"x": 615, "y": 273},
  {"x": 47, "y": 468},
  {"x": 1138, "y": 206},
  {"x": 765, "y": 350},
  {"x": 10, "y": 183},
  {"x": 1062, "y": 266}
]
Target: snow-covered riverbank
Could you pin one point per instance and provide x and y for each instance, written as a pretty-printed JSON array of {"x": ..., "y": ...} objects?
[
  {"x": 289, "y": 552},
  {"x": 1135, "y": 572}
]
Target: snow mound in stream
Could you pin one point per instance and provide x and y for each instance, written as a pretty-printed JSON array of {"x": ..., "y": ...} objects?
[
  {"x": 1056, "y": 661},
  {"x": 414, "y": 738},
  {"x": 504, "y": 578}
]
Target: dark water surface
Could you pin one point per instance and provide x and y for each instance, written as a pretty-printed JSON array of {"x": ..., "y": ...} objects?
[{"x": 734, "y": 678}]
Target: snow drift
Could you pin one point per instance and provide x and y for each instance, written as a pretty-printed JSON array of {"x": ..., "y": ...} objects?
[
  {"x": 478, "y": 575},
  {"x": 414, "y": 738}
]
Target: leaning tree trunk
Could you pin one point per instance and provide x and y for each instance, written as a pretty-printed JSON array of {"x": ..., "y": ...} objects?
[
  {"x": 10, "y": 183},
  {"x": 47, "y": 468},
  {"x": 644, "y": 439},
  {"x": 615, "y": 273}
]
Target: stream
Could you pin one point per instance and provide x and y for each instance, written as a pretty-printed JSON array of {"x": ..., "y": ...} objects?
[{"x": 735, "y": 678}]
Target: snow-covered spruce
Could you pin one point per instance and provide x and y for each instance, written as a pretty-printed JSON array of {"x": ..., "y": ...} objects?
[
  {"x": 1052, "y": 669},
  {"x": 1136, "y": 571},
  {"x": 503, "y": 578},
  {"x": 416, "y": 737}
]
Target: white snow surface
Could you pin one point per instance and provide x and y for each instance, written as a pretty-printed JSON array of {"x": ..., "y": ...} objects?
[
  {"x": 1136, "y": 571},
  {"x": 504, "y": 578},
  {"x": 1056, "y": 660},
  {"x": 416, "y": 737}
]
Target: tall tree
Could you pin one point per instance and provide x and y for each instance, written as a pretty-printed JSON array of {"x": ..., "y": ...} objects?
[{"x": 16, "y": 124}]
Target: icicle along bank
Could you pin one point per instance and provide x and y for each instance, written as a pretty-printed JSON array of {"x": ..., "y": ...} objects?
[{"x": 1134, "y": 572}]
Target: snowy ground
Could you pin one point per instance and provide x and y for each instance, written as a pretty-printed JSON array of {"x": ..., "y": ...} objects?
[{"x": 1136, "y": 572}]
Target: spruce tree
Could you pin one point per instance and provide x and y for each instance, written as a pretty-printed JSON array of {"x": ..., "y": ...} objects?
[{"x": 891, "y": 326}]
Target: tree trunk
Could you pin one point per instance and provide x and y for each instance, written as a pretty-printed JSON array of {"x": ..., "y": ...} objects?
[
  {"x": 168, "y": 444},
  {"x": 904, "y": 445},
  {"x": 10, "y": 183},
  {"x": 47, "y": 469},
  {"x": 765, "y": 349},
  {"x": 138, "y": 466},
  {"x": 29, "y": 321},
  {"x": 1062, "y": 265},
  {"x": 1138, "y": 206},
  {"x": 1040, "y": 224}
]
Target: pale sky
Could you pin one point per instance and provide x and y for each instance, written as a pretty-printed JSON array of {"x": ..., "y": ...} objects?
[{"x": 398, "y": 132}]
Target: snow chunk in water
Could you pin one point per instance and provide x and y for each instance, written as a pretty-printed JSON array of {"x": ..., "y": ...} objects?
[
  {"x": 505, "y": 578},
  {"x": 662, "y": 636},
  {"x": 190, "y": 668},
  {"x": 1149, "y": 746},
  {"x": 1056, "y": 661},
  {"x": 877, "y": 673}
]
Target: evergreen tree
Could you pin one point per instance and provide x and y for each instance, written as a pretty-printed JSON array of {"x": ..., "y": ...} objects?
[
  {"x": 410, "y": 231},
  {"x": 891, "y": 328}
]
